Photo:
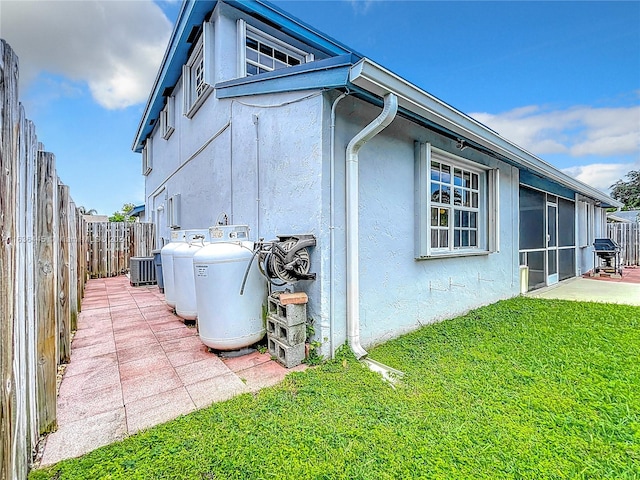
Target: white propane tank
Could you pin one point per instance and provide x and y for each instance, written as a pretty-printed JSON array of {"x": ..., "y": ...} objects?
[
  {"x": 166, "y": 254},
  {"x": 184, "y": 283},
  {"x": 226, "y": 319}
]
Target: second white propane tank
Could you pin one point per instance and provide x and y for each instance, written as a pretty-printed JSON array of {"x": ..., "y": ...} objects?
[
  {"x": 226, "y": 319},
  {"x": 166, "y": 254},
  {"x": 184, "y": 283}
]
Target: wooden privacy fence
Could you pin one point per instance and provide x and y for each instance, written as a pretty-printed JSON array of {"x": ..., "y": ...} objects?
[
  {"x": 42, "y": 277},
  {"x": 47, "y": 252},
  {"x": 112, "y": 244},
  {"x": 627, "y": 235}
]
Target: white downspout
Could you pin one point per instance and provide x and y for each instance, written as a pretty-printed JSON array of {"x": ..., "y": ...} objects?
[
  {"x": 351, "y": 197},
  {"x": 332, "y": 217}
]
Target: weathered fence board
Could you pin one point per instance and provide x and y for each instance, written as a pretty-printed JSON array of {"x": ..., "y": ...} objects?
[
  {"x": 47, "y": 290},
  {"x": 627, "y": 235},
  {"x": 29, "y": 241},
  {"x": 64, "y": 274},
  {"x": 73, "y": 267},
  {"x": 9, "y": 427},
  {"x": 82, "y": 255}
]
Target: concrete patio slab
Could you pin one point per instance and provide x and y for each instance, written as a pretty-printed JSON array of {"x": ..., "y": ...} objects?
[
  {"x": 72, "y": 408},
  {"x": 77, "y": 438},
  {"x": 217, "y": 389},
  {"x": 592, "y": 290},
  {"x": 134, "y": 364},
  {"x": 160, "y": 408}
]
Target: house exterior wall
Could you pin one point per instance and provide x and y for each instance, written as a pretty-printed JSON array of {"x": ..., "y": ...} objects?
[
  {"x": 395, "y": 293},
  {"x": 291, "y": 158},
  {"x": 262, "y": 169},
  {"x": 265, "y": 161}
]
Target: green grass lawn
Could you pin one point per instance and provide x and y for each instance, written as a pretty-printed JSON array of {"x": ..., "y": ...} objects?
[{"x": 524, "y": 388}]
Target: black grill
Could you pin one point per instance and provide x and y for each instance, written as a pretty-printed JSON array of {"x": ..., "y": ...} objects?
[{"x": 606, "y": 256}]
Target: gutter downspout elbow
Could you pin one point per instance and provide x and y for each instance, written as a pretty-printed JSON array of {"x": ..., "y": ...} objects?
[{"x": 351, "y": 197}]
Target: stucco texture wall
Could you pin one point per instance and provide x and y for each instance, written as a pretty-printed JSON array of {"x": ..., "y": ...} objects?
[
  {"x": 397, "y": 292},
  {"x": 257, "y": 159},
  {"x": 269, "y": 167}
]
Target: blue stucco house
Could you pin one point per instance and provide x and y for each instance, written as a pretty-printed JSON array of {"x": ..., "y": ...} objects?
[{"x": 420, "y": 212}]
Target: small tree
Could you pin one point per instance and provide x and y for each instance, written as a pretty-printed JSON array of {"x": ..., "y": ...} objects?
[
  {"x": 123, "y": 214},
  {"x": 628, "y": 192}
]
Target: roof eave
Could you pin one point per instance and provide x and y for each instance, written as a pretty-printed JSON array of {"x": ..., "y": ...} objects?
[
  {"x": 325, "y": 74},
  {"x": 376, "y": 79},
  {"x": 193, "y": 12},
  {"x": 167, "y": 74},
  {"x": 291, "y": 25}
]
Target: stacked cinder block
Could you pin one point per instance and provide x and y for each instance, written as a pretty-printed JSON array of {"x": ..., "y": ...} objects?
[{"x": 287, "y": 327}]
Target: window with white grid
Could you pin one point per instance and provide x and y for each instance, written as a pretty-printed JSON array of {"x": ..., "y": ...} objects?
[
  {"x": 456, "y": 205},
  {"x": 260, "y": 52},
  {"x": 264, "y": 56}
]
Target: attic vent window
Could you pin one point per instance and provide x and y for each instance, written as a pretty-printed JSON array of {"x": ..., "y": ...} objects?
[
  {"x": 262, "y": 57},
  {"x": 263, "y": 53}
]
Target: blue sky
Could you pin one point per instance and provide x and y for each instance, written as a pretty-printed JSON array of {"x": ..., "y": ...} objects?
[{"x": 561, "y": 79}]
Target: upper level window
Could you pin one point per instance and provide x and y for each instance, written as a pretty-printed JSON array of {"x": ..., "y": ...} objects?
[
  {"x": 167, "y": 118},
  {"x": 197, "y": 74},
  {"x": 260, "y": 53},
  {"x": 456, "y": 203},
  {"x": 146, "y": 157}
]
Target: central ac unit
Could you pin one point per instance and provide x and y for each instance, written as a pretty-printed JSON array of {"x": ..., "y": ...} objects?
[{"x": 142, "y": 271}]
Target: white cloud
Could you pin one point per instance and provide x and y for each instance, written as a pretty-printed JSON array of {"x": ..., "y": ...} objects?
[
  {"x": 577, "y": 131},
  {"x": 600, "y": 175},
  {"x": 361, "y": 7},
  {"x": 114, "y": 46}
]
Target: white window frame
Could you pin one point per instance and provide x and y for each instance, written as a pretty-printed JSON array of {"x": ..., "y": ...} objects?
[
  {"x": 591, "y": 223},
  {"x": 586, "y": 218},
  {"x": 167, "y": 118},
  {"x": 245, "y": 31},
  {"x": 147, "y": 157},
  {"x": 197, "y": 73},
  {"x": 487, "y": 210}
]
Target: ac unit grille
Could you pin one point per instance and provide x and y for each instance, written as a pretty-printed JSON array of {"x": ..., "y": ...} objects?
[{"x": 142, "y": 271}]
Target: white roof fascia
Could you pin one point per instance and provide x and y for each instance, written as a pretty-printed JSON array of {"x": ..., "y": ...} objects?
[
  {"x": 380, "y": 81},
  {"x": 183, "y": 15}
]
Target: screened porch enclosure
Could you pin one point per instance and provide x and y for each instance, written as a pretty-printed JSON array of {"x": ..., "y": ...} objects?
[{"x": 547, "y": 237}]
